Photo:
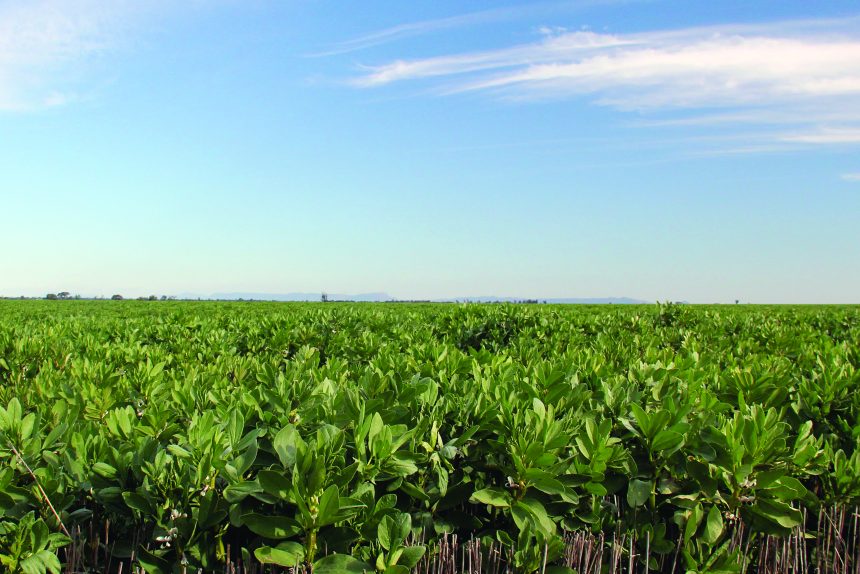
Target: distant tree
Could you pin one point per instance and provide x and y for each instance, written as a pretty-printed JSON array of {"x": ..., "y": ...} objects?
[
  {"x": 116, "y": 298},
  {"x": 164, "y": 297},
  {"x": 51, "y": 296},
  {"x": 153, "y": 298},
  {"x": 324, "y": 298},
  {"x": 63, "y": 295}
]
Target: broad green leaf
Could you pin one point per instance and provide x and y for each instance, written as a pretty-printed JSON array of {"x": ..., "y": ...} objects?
[
  {"x": 393, "y": 530},
  {"x": 713, "y": 526},
  {"x": 152, "y": 563},
  {"x": 341, "y": 564},
  {"x": 693, "y": 520},
  {"x": 137, "y": 502},
  {"x": 538, "y": 513},
  {"x": 288, "y": 554},
  {"x": 778, "y": 512},
  {"x": 411, "y": 555},
  {"x": 178, "y": 451},
  {"x": 274, "y": 483},
  {"x": 241, "y": 490},
  {"x": 105, "y": 470},
  {"x": 273, "y": 527},
  {"x": 286, "y": 444},
  {"x": 492, "y": 496},
  {"x": 667, "y": 440},
  {"x": 329, "y": 505},
  {"x": 639, "y": 492}
]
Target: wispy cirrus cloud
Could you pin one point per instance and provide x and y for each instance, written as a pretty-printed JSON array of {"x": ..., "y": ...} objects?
[
  {"x": 473, "y": 64},
  {"x": 415, "y": 29},
  {"x": 476, "y": 18},
  {"x": 695, "y": 67},
  {"x": 851, "y": 176},
  {"x": 826, "y": 136},
  {"x": 47, "y": 47},
  {"x": 36, "y": 39},
  {"x": 784, "y": 73}
]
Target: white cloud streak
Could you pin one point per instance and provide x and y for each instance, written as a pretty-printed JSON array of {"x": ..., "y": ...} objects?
[
  {"x": 39, "y": 39},
  {"x": 415, "y": 29},
  {"x": 47, "y": 47},
  {"x": 826, "y": 136},
  {"x": 477, "y": 18},
  {"x": 774, "y": 72},
  {"x": 851, "y": 176}
]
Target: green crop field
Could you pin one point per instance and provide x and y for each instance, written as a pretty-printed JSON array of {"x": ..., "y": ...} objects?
[{"x": 251, "y": 437}]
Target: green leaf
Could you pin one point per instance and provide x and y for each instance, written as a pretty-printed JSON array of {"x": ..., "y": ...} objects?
[
  {"x": 27, "y": 425},
  {"x": 492, "y": 496},
  {"x": 411, "y": 556},
  {"x": 393, "y": 530},
  {"x": 786, "y": 488},
  {"x": 643, "y": 420},
  {"x": 413, "y": 491},
  {"x": 137, "y": 502},
  {"x": 328, "y": 506},
  {"x": 384, "y": 532},
  {"x": 241, "y": 490},
  {"x": 152, "y": 563},
  {"x": 104, "y": 470},
  {"x": 275, "y": 484},
  {"x": 40, "y": 562},
  {"x": 713, "y": 526},
  {"x": 287, "y": 443},
  {"x": 273, "y": 527},
  {"x": 638, "y": 492},
  {"x": 178, "y": 451},
  {"x": 778, "y": 512},
  {"x": 401, "y": 464},
  {"x": 693, "y": 521},
  {"x": 284, "y": 554},
  {"x": 341, "y": 564},
  {"x": 667, "y": 440},
  {"x": 539, "y": 515},
  {"x": 539, "y": 408},
  {"x": 549, "y": 486}
]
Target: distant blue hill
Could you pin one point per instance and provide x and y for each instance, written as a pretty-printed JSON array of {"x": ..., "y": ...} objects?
[
  {"x": 362, "y": 297},
  {"x": 381, "y": 297},
  {"x": 554, "y": 300}
]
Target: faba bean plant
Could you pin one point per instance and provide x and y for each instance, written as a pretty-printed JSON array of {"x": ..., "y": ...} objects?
[{"x": 182, "y": 436}]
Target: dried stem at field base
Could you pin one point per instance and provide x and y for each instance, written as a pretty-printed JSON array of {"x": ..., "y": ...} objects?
[
  {"x": 835, "y": 550},
  {"x": 39, "y": 486}
]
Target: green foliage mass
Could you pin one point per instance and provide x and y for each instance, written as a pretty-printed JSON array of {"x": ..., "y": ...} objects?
[{"x": 333, "y": 435}]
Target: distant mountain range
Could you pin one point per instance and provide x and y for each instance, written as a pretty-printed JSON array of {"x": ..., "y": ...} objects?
[
  {"x": 380, "y": 297},
  {"x": 361, "y": 297},
  {"x": 557, "y": 300}
]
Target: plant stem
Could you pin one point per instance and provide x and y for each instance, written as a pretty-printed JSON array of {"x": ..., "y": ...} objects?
[{"x": 39, "y": 486}]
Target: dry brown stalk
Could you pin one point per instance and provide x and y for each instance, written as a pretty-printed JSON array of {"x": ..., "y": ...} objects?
[{"x": 39, "y": 486}]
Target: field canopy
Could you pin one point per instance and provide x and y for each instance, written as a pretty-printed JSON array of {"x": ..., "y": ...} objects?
[{"x": 169, "y": 435}]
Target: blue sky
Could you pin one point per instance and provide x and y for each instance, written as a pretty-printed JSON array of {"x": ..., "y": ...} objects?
[{"x": 700, "y": 151}]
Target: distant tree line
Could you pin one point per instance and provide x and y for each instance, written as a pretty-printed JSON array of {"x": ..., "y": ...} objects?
[{"x": 63, "y": 295}]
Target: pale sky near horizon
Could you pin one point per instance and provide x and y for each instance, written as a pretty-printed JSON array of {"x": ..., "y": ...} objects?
[{"x": 660, "y": 150}]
